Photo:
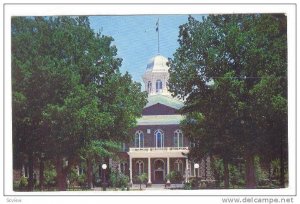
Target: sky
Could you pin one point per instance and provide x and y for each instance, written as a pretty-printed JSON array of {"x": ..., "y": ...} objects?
[{"x": 136, "y": 38}]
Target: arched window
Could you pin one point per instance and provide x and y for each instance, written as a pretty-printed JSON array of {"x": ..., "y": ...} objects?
[
  {"x": 178, "y": 138},
  {"x": 140, "y": 167},
  {"x": 178, "y": 166},
  {"x": 149, "y": 87},
  {"x": 159, "y": 139},
  {"x": 123, "y": 167},
  {"x": 139, "y": 139},
  {"x": 158, "y": 85}
]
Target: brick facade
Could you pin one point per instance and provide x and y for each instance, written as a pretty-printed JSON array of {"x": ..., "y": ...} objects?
[{"x": 149, "y": 138}]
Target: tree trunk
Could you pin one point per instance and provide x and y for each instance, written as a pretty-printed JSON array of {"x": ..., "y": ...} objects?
[
  {"x": 61, "y": 178},
  {"x": 250, "y": 171},
  {"x": 226, "y": 173},
  {"x": 89, "y": 173},
  {"x": 42, "y": 167},
  {"x": 270, "y": 172},
  {"x": 215, "y": 172},
  {"x": 30, "y": 179},
  {"x": 282, "y": 183}
]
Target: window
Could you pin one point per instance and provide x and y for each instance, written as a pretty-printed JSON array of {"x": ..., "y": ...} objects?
[
  {"x": 158, "y": 85},
  {"x": 149, "y": 87},
  {"x": 82, "y": 170},
  {"x": 179, "y": 166},
  {"x": 140, "y": 167},
  {"x": 123, "y": 167},
  {"x": 192, "y": 144},
  {"x": 178, "y": 138},
  {"x": 139, "y": 139},
  {"x": 159, "y": 139},
  {"x": 124, "y": 147}
]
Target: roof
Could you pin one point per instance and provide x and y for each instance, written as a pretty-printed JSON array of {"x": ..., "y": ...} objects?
[
  {"x": 160, "y": 120},
  {"x": 157, "y": 63},
  {"x": 165, "y": 100}
]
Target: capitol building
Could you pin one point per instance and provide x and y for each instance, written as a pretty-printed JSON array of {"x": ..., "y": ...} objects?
[{"x": 159, "y": 145}]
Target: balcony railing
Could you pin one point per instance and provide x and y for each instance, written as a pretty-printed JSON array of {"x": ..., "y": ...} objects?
[{"x": 152, "y": 149}]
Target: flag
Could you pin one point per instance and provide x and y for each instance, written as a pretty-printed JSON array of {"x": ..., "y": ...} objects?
[{"x": 157, "y": 24}]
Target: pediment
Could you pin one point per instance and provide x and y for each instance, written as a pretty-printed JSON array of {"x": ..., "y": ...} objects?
[{"x": 159, "y": 109}]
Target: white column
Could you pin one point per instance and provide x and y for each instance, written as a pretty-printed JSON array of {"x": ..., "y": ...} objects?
[
  {"x": 153, "y": 85},
  {"x": 168, "y": 168},
  {"x": 186, "y": 170},
  {"x": 149, "y": 170},
  {"x": 130, "y": 166},
  {"x": 165, "y": 85}
]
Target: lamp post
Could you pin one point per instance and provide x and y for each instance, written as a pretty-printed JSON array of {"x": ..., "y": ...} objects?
[
  {"x": 196, "y": 166},
  {"x": 104, "y": 166}
]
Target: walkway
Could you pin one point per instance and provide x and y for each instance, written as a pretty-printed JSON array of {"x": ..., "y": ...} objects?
[
  {"x": 154, "y": 187},
  {"x": 161, "y": 187}
]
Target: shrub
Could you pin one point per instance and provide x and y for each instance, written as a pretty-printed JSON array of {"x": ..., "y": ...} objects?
[
  {"x": 142, "y": 178},
  {"x": 113, "y": 178},
  {"x": 23, "y": 183},
  {"x": 218, "y": 171},
  {"x": 235, "y": 177},
  {"x": 118, "y": 180},
  {"x": 194, "y": 183},
  {"x": 82, "y": 182},
  {"x": 50, "y": 175},
  {"x": 175, "y": 177},
  {"x": 261, "y": 175},
  {"x": 16, "y": 185},
  {"x": 123, "y": 181},
  {"x": 73, "y": 177},
  {"x": 187, "y": 186}
]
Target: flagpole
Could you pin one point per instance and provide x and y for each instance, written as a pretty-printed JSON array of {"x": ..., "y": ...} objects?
[
  {"x": 157, "y": 29},
  {"x": 158, "y": 41}
]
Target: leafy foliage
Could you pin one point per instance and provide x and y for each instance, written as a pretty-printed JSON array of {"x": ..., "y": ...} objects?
[
  {"x": 142, "y": 178},
  {"x": 50, "y": 175},
  {"x": 23, "y": 183},
  {"x": 232, "y": 72},
  {"x": 118, "y": 180},
  {"x": 175, "y": 177},
  {"x": 68, "y": 91}
]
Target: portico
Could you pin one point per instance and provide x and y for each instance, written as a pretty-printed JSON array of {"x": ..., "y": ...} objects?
[{"x": 158, "y": 162}]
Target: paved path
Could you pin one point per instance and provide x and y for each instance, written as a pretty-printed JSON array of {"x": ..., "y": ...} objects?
[{"x": 153, "y": 187}]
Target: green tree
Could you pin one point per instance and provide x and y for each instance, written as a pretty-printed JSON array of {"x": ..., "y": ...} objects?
[
  {"x": 37, "y": 79},
  {"x": 231, "y": 69},
  {"x": 67, "y": 91},
  {"x": 211, "y": 133},
  {"x": 94, "y": 151}
]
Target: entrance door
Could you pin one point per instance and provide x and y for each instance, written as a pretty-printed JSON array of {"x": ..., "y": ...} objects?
[
  {"x": 159, "y": 171},
  {"x": 159, "y": 176}
]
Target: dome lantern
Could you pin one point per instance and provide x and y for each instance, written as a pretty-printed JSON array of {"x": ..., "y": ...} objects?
[
  {"x": 156, "y": 76},
  {"x": 157, "y": 63}
]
